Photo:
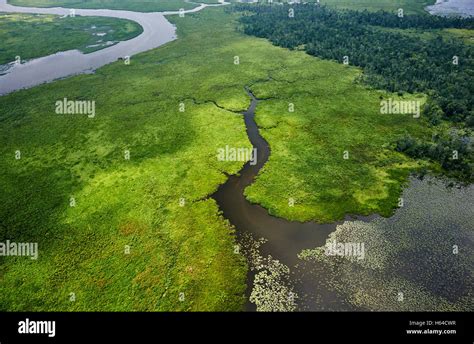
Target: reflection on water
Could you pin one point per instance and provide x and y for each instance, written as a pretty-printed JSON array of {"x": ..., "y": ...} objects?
[
  {"x": 409, "y": 253},
  {"x": 409, "y": 264},
  {"x": 273, "y": 255},
  {"x": 157, "y": 30},
  {"x": 420, "y": 259}
]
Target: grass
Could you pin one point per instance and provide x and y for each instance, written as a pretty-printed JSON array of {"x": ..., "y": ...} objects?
[
  {"x": 174, "y": 249},
  {"x": 31, "y": 36},
  {"x": 466, "y": 35},
  {"x": 408, "y": 6},
  {"x": 135, "y": 5},
  {"x": 332, "y": 115},
  {"x": 119, "y": 202}
]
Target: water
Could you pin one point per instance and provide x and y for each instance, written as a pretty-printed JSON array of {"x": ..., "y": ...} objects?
[
  {"x": 426, "y": 250},
  {"x": 463, "y": 8},
  {"x": 157, "y": 30},
  {"x": 284, "y": 239},
  {"x": 313, "y": 283}
]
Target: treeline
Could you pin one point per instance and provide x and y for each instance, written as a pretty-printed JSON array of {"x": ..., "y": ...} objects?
[
  {"x": 393, "y": 58},
  {"x": 453, "y": 152},
  {"x": 393, "y": 20}
]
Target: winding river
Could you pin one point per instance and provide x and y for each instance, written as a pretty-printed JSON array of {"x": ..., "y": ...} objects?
[
  {"x": 284, "y": 240},
  {"x": 157, "y": 30}
]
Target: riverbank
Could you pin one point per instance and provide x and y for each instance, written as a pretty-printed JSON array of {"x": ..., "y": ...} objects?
[
  {"x": 33, "y": 36},
  {"x": 135, "y": 5},
  {"x": 157, "y": 30},
  {"x": 142, "y": 235},
  {"x": 172, "y": 109}
]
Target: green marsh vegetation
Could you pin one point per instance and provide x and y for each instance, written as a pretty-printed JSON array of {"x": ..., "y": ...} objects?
[
  {"x": 466, "y": 35},
  {"x": 331, "y": 155},
  {"x": 135, "y": 5},
  {"x": 30, "y": 36},
  {"x": 409, "y": 6},
  {"x": 174, "y": 249},
  {"x": 421, "y": 258},
  {"x": 427, "y": 59},
  {"x": 182, "y": 254}
]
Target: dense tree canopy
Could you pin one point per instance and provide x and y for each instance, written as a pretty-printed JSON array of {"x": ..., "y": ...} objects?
[
  {"x": 392, "y": 59},
  {"x": 398, "y": 53}
]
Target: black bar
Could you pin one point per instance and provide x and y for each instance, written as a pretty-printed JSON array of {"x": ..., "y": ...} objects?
[{"x": 229, "y": 327}]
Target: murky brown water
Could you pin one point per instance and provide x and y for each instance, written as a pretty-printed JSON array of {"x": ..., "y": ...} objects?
[{"x": 285, "y": 239}]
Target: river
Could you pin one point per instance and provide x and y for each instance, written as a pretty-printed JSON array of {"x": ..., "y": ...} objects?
[
  {"x": 435, "y": 217},
  {"x": 283, "y": 239},
  {"x": 271, "y": 245},
  {"x": 157, "y": 30}
]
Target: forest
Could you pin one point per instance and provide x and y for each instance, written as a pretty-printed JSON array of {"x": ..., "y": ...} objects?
[{"x": 398, "y": 53}]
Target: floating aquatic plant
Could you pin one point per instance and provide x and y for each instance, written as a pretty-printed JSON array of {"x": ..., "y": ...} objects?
[
  {"x": 272, "y": 290},
  {"x": 421, "y": 259}
]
